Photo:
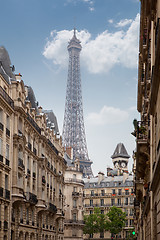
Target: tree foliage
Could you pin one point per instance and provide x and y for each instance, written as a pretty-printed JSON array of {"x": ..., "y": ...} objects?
[
  {"x": 116, "y": 220},
  {"x": 94, "y": 222},
  {"x": 97, "y": 222}
]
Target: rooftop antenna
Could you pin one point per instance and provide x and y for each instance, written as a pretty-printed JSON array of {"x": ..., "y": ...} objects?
[{"x": 74, "y": 26}]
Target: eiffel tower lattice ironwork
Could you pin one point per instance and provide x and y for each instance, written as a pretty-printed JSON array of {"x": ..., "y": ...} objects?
[{"x": 73, "y": 135}]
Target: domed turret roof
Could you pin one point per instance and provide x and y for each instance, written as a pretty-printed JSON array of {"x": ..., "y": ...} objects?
[{"x": 120, "y": 151}]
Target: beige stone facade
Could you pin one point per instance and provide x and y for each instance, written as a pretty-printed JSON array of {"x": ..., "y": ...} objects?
[
  {"x": 147, "y": 131},
  {"x": 31, "y": 167},
  {"x": 74, "y": 184},
  {"x": 115, "y": 189}
]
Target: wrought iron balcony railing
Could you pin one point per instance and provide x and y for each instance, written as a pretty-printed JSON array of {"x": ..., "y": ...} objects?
[
  {"x": 32, "y": 198},
  {"x": 6, "y": 97},
  {"x": 34, "y": 124}
]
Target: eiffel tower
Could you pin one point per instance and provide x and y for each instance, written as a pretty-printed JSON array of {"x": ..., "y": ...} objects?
[{"x": 73, "y": 135}]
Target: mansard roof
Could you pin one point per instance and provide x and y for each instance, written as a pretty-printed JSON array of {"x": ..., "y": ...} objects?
[
  {"x": 120, "y": 151},
  {"x": 108, "y": 181},
  {"x": 31, "y": 97},
  {"x": 5, "y": 65},
  {"x": 51, "y": 120}
]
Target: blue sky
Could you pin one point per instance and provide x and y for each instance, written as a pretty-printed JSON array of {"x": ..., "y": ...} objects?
[{"x": 36, "y": 34}]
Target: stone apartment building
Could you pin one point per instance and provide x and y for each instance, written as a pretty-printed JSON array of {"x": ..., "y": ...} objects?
[
  {"x": 74, "y": 184},
  {"x": 147, "y": 130},
  {"x": 114, "y": 189},
  {"x": 31, "y": 163}
]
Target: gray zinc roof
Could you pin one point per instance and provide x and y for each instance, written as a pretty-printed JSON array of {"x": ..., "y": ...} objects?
[
  {"x": 31, "y": 97},
  {"x": 108, "y": 181},
  {"x": 52, "y": 120},
  {"x": 5, "y": 63},
  {"x": 120, "y": 151}
]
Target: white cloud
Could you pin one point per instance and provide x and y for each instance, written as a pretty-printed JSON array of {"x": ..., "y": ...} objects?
[
  {"x": 107, "y": 115},
  {"x": 101, "y": 54},
  {"x": 110, "y": 20},
  {"x": 124, "y": 22}
]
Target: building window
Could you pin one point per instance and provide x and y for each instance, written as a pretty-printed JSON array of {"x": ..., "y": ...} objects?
[
  {"x": 74, "y": 176},
  {"x": 131, "y": 200},
  {"x": 21, "y": 214},
  {"x": 20, "y": 126},
  {"x": 91, "y": 212},
  {"x": 74, "y": 203},
  {"x": 91, "y": 202},
  {"x": 74, "y": 189},
  {"x": 6, "y": 181},
  {"x": 27, "y": 215},
  {"x": 119, "y": 201},
  {"x": 102, "y": 211},
  {"x": 126, "y": 191},
  {"x": 74, "y": 217},
  {"x": 102, "y": 192},
  {"x": 112, "y": 201},
  {"x": 7, "y": 151},
  {"x": 92, "y": 192},
  {"x": 126, "y": 201},
  {"x": 126, "y": 223},
  {"x": 131, "y": 222},
  {"x": 1, "y": 147},
  {"x": 113, "y": 191},
  {"x": 8, "y": 122},
  {"x": 131, "y": 212},
  {"x": 126, "y": 211},
  {"x": 102, "y": 202},
  {"x": 119, "y": 191}
]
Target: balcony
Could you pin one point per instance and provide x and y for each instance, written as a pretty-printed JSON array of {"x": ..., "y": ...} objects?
[
  {"x": 7, "y": 132},
  {"x": 7, "y": 162},
  {"x": 75, "y": 194},
  {"x": 5, "y": 225},
  {"x": 32, "y": 198},
  {"x": 20, "y": 163},
  {"x": 6, "y": 97},
  {"x": 52, "y": 146},
  {"x": 52, "y": 208},
  {"x": 74, "y": 221},
  {"x": 33, "y": 123},
  {"x": 75, "y": 180},
  {"x": 1, "y": 126},
  {"x": 1, "y": 192},
  {"x": 7, "y": 194}
]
